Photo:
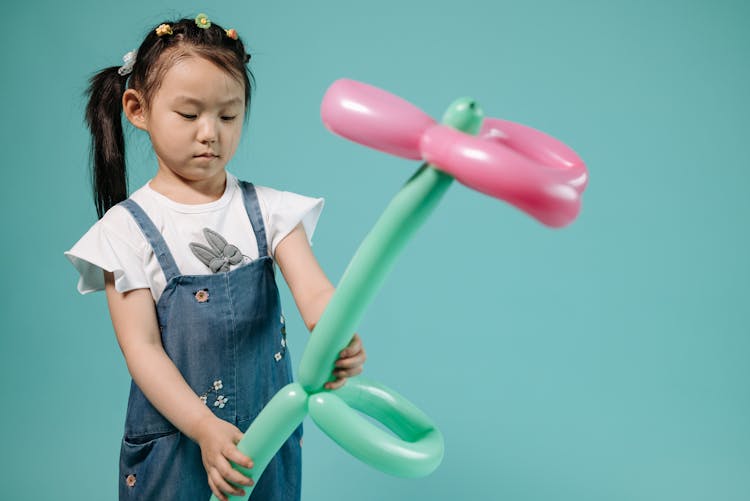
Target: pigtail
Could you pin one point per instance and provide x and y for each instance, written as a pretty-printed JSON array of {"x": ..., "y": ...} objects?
[{"x": 107, "y": 156}]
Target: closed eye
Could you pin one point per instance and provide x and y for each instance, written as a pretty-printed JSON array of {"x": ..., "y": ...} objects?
[{"x": 192, "y": 117}]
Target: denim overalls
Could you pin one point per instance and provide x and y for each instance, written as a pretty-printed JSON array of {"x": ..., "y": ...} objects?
[{"x": 225, "y": 333}]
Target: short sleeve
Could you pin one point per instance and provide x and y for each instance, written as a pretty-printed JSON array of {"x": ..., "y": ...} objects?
[
  {"x": 113, "y": 244},
  {"x": 284, "y": 210}
]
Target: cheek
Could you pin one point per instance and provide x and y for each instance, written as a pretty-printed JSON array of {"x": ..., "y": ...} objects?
[
  {"x": 165, "y": 129},
  {"x": 170, "y": 142},
  {"x": 176, "y": 132},
  {"x": 235, "y": 134}
]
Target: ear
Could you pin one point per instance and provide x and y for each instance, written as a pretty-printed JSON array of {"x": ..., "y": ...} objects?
[{"x": 132, "y": 106}]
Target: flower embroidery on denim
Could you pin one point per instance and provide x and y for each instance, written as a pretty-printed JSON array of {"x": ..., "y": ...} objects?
[
  {"x": 220, "y": 401},
  {"x": 279, "y": 355},
  {"x": 201, "y": 296},
  {"x": 130, "y": 480},
  {"x": 215, "y": 387}
]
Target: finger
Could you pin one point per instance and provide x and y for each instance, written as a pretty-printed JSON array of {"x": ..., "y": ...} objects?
[
  {"x": 353, "y": 347},
  {"x": 357, "y": 359},
  {"x": 239, "y": 458},
  {"x": 215, "y": 489},
  {"x": 231, "y": 475},
  {"x": 335, "y": 385},
  {"x": 235, "y": 476},
  {"x": 223, "y": 487},
  {"x": 351, "y": 351},
  {"x": 238, "y": 478},
  {"x": 347, "y": 363},
  {"x": 347, "y": 373},
  {"x": 224, "y": 473}
]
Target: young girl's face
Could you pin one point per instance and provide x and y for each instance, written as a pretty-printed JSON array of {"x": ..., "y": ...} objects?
[{"x": 195, "y": 120}]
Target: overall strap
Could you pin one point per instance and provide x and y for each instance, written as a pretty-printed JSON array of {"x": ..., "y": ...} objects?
[
  {"x": 166, "y": 261},
  {"x": 252, "y": 207}
]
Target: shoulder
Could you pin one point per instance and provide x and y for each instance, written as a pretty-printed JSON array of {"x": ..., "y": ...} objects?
[
  {"x": 114, "y": 244},
  {"x": 118, "y": 224},
  {"x": 283, "y": 210},
  {"x": 268, "y": 197},
  {"x": 274, "y": 201}
]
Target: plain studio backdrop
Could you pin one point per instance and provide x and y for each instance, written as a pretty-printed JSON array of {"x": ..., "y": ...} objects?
[{"x": 604, "y": 361}]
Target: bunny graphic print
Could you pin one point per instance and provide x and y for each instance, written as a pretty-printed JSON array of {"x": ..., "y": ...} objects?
[{"x": 220, "y": 255}]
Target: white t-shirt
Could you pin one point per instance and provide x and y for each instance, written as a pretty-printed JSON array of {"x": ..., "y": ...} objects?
[{"x": 116, "y": 244}]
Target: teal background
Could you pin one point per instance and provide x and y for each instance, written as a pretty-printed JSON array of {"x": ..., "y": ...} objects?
[{"x": 607, "y": 360}]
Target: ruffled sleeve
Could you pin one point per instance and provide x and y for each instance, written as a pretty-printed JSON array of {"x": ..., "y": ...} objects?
[
  {"x": 113, "y": 244},
  {"x": 284, "y": 210}
]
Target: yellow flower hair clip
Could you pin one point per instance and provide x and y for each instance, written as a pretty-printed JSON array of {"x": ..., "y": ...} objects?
[
  {"x": 202, "y": 21},
  {"x": 163, "y": 29},
  {"x": 232, "y": 33}
]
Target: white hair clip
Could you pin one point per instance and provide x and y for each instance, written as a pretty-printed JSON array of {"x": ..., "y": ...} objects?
[{"x": 129, "y": 60}]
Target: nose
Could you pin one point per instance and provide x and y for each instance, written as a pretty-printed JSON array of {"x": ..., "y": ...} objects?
[{"x": 207, "y": 130}]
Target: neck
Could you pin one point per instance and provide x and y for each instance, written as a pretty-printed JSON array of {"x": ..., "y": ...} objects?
[{"x": 188, "y": 191}]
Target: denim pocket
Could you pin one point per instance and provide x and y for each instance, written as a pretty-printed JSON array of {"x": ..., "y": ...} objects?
[
  {"x": 149, "y": 437},
  {"x": 142, "y": 462}
]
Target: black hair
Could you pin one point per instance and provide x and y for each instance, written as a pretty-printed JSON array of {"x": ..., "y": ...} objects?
[{"x": 155, "y": 56}]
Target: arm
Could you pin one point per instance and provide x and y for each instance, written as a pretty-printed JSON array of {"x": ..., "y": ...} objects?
[
  {"x": 134, "y": 320},
  {"x": 312, "y": 290},
  {"x": 136, "y": 327}
]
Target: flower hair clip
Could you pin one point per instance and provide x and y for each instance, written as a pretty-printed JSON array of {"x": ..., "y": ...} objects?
[
  {"x": 232, "y": 33},
  {"x": 163, "y": 29},
  {"x": 129, "y": 60},
  {"x": 202, "y": 21}
]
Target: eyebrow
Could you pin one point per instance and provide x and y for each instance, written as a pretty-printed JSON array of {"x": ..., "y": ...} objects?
[{"x": 192, "y": 100}]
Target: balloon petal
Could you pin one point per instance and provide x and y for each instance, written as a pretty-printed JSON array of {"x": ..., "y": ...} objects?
[
  {"x": 537, "y": 146},
  {"x": 548, "y": 193},
  {"x": 375, "y": 118}
]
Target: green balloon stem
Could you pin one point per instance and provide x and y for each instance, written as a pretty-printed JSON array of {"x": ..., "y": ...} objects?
[
  {"x": 367, "y": 271},
  {"x": 268, "y": 432}
]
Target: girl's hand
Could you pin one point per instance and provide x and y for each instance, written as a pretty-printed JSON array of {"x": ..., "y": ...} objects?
[
  {"x": 349, "y": 364},
  {"x": 218, "y": 442}
]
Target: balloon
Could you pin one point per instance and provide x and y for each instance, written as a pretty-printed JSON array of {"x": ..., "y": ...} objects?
[
  {"x": 416, "y": 452},
  {"x": 527, "y": 168},
  {"x": 494, "y": 163},
  {"x": 374, "y": 117},
  {"x": 268, "y": 432}
]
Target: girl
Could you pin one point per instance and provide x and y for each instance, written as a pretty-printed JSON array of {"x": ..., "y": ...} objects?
[{"x": 187, "y": 262}]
